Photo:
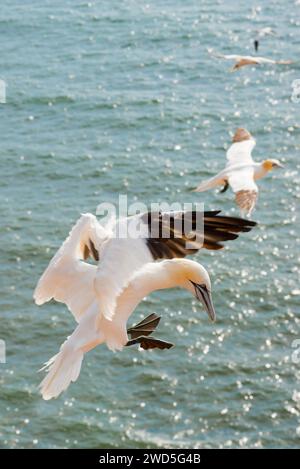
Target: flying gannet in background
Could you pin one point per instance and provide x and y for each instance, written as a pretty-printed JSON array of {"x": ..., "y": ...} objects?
[
  {"x": 243, "y": 60},
  {"x": 241, "y": 172},
  {"x": 65, "y": 366},
  {"x": 260, "y": 33}
]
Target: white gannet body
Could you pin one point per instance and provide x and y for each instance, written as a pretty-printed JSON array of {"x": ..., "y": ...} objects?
[
  {"x": 261, "y": 33},
  {"x": 241, "y": 172},
  {"x": 90, "y": 332}
]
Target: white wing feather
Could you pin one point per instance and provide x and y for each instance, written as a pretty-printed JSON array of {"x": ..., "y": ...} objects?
[
  {"x": 215, "y": 181},
  {"x": 240, "y": 152},
  {"x": 67, "y": 278},
  {"x": 223, "y": 56}
]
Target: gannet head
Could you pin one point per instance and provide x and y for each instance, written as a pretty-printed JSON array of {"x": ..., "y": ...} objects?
[
  {"x": 271, "y": 163},
  {"x": 194, "y": 278}
]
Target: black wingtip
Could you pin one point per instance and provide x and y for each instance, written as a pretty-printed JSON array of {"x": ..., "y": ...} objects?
[
  {"x": 249, "y": 222},
  {"x": 211, "y": 213}
]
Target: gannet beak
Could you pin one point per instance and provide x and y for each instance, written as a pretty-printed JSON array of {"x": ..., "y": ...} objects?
[
  {"x": 204, "y": 295},
  {"x": 280, "y": 165}
]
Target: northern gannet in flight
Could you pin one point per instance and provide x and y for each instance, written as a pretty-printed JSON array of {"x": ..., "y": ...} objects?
[
  {"x": 241, "y": 172},
  {"x": 243, "y": 60},
  {"x": 126, "y": 272},
  {"x": 121, "y": 254},
  {"x": 260, "y": 33},
  {"x": 90, "y": 332}
]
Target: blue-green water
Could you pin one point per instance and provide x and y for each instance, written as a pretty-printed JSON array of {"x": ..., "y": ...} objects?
[{"x": 109, "y": 97}]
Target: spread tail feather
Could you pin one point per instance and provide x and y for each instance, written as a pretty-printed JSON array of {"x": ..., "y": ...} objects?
[{"x": 62, "y": 369}]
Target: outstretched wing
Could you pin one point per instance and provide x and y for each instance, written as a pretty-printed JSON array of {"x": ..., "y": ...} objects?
[
  {"x": 68, "y": 279},
  {"x": 284, "y": 62},
  {"x": 158, "y": 236},
  {"x": 265, "y": 60},
  {"x": 218, "y": 55},
  {"x": 219, "y": 179},
  {"x": 240, "y": 152},
  {"x": 178, "y": 234}
]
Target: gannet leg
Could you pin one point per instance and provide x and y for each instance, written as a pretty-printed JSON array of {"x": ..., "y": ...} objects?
[
  {"x": 147, "y": 343},
  {"x": 140, "y": 332},
  {"x": 145, "y": 327},
  {"x": 225, "y": 187}
]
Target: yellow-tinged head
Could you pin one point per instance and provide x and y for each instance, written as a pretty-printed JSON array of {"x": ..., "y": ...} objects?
[
  {"x": 270, "y": 164},
  {"x": 194, "y": 278}
]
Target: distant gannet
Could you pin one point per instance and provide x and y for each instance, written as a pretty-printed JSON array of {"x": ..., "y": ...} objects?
[
  {"x": 156, "y": 236},
  {"x": 260, "y": 33},
  {"x": 243, "y": 60},
  {"x": 90, "y": 332},
  {"x": 241, "y": 172}
]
